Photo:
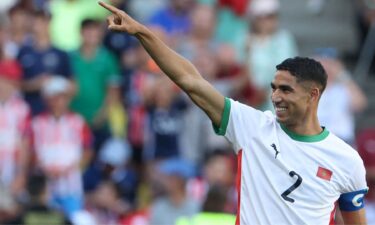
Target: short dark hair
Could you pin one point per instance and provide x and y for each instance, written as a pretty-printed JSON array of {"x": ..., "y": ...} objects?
[
  {"x": 90, "y": 22},
  {"x": 42, "y": 14},
  {"x": 305, "y": 69},
  {"x": 215, "y": 200}
]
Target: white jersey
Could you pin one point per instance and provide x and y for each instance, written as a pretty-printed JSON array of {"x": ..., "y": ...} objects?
[
  {"x": 285, "y": 178},
  {"x": 59, "y": 145}
]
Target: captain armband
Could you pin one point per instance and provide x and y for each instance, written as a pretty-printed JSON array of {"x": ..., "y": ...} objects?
[{"x": 352, "y": 201}]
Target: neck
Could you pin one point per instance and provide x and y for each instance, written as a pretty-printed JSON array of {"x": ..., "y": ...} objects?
[
  {"x": 306, "y": 127},
  {"x": 177, "y": 198},
  {"x": 88, "y": 51},
  {"x": 17, "y": 35},
  {"x": 42, "y": 42},
  {"x": 6, "y": 96},
  {"x": 57, "y": 114}
]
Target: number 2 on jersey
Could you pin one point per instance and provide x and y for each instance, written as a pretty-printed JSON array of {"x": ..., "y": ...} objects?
[{"x": 292, "y": 188}]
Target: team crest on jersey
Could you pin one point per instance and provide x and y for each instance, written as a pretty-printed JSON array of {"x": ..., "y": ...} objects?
[{"x": 324, "y": 173}]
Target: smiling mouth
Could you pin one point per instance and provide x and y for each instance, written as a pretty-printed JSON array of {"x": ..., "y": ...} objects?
[{"x": 280, "y": 109}]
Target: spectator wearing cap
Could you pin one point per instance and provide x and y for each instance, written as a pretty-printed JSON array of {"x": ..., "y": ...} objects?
[
  {"x": 14, "y": 133},
  {"x": 266, "y": 45},
  {"x": 175, "y": 204},
  {"x": 41, "y": 60},
  {"x": 342, "y": 98},
  {"x": 61, "y": 143}
]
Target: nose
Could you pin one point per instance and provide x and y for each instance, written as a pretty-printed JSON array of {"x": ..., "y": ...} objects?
[{"x": 275, "y": 96}]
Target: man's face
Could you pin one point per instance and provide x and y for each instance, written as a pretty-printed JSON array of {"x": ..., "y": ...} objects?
[
  {"x": 92, "y": 35},
  {"x": 40, "y": 26},
  {"x": 58, "y": 103},
  {"x": 290, "y": 98}
]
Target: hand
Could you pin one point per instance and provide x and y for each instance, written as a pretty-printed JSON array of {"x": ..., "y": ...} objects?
[{"x": 120, "y": 21}]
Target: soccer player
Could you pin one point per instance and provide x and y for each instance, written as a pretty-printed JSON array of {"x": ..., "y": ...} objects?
[{"x": 292, "y": 170}]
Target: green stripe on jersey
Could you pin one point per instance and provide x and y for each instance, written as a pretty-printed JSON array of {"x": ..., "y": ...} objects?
[
  {"x": 224, "y": 119},
  {"x": 306, "y": 138}
]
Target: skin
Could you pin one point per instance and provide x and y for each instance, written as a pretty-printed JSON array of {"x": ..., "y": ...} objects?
[
  {"x": 300, "y": 98},
  {"x": 300, "y": 101}
]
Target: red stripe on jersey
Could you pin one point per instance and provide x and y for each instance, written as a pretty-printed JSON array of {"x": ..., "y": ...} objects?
[
  {"x": 332, "y": 217},
  {"x": 238, "y": 185}
]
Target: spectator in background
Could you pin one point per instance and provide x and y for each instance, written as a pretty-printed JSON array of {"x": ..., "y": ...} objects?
[
  {"x": 62, "y": 143},
  {"x": 113, "y": 166},
  {"x": 176, "y": 203},
  {"x": 37, "y": 210},
  {"x": 365, "y": 141},
  {"x": 365, "y": 10},
  {"x": 165, "y": 122},
  {"x": 96, "y": 73},
  {"x": 267, "y": 44},
  {"x": 174, "y": 18},
  {"x": 40, "y": 60},
  {"x": 342, "y": 98},
  {"x": 14, "y": 127},
  {"x": 218, "y": 170},
  {"x": 144, "y": 9},
  {"x": 18, "y": 30},
  {"x": 201, "y": 35},
  {"x": 105, "y": 204},
  {"x": 213, "y": 210}
]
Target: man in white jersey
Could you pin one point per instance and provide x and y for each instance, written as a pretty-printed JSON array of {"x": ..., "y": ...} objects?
[{"x": 293, "y": 171}]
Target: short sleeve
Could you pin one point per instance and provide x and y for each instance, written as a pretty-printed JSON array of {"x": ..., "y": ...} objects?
[
  {"x": 355, "y": 189},
  {"x": 240, "y": 123}
]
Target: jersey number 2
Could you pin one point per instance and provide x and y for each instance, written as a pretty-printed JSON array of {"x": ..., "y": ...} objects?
[{"x": 292, "y": 188}]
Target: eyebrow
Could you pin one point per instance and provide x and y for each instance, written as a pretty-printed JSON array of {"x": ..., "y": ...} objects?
[{"x": 283, "y": 87}]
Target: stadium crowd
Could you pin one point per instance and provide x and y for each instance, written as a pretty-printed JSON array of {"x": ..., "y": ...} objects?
[{"x": 92, "y": 132}]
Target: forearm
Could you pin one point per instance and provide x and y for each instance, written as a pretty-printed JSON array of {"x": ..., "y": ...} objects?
[
  {"x": 354, "y": 218},
  {"x": 177, "y": 68}
]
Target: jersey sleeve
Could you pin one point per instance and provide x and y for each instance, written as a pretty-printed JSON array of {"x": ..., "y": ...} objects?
[
  {"x": 352, "y": 198},
  {"x": 240, "y": 123}
]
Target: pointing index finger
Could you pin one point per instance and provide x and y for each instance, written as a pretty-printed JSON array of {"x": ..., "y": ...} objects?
[{"x": 109, "y": 7}]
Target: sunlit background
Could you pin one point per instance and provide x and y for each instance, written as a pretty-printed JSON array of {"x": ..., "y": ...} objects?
[{"x": 92, "y": 132}]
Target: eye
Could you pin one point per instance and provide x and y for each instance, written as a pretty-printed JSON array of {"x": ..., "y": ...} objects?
[{"x": 273, "y": 87}]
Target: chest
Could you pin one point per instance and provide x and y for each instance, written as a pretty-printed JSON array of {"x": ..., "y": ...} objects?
[
  {"x": 56, "y": 132},
  {"x": 294, "y": 171}
]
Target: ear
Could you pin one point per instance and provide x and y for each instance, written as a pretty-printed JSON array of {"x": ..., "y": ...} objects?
[{"x": 315, "y": 93}]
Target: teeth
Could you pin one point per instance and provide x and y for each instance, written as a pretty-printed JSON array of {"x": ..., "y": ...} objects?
[{"x": 280, "y": 109}]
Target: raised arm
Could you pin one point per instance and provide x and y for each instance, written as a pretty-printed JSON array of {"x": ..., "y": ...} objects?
[{"x": 177, "y": 68}]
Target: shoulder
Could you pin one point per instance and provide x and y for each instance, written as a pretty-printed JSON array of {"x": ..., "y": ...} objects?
[
  {"x": 282, "y": 33},
  {"x": 59, "y": 51},
  {"x": 343, "y": 150},
  {"x": 248, "y": 111},
  {"x": 20, "y": 105},
  {"x": 40, "y": 118},
  {"x": 105, "y": 54},
  {"x": 75, "y": 118}
]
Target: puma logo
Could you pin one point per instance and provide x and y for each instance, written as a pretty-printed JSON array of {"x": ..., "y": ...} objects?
[{"x": 276, "y": 151}]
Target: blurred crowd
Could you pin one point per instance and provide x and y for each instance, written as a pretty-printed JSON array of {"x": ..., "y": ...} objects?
[{"x": 92, "y": 132}]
